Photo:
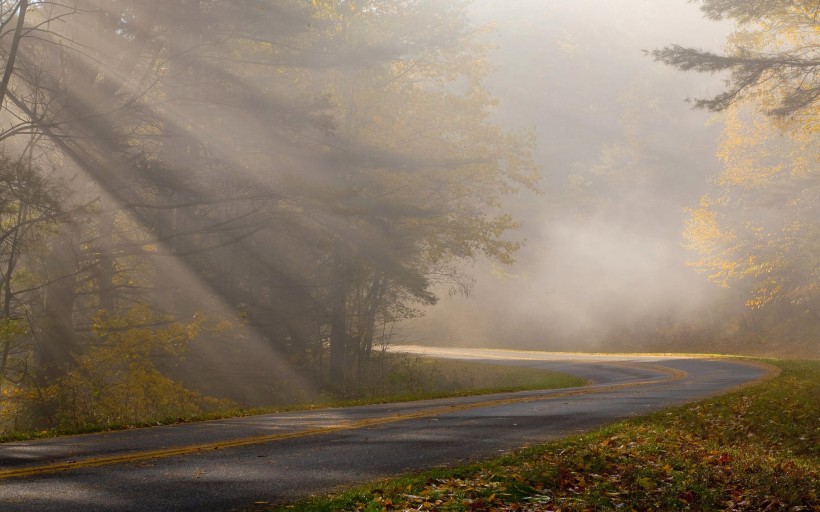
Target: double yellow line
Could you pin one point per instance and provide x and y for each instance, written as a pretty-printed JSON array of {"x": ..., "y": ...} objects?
[{"x": 141, "y": 456}]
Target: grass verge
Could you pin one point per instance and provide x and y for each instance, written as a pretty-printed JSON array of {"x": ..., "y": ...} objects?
[
  {"x": 757, "y": 449},
  {"x": 406, "y": 378}
]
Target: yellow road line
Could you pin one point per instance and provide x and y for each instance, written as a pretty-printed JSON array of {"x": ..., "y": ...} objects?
[{"x": 140, "y": 456}]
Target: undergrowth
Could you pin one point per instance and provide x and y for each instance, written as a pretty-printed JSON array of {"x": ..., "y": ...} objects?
[{"x": 408, "y": 378}]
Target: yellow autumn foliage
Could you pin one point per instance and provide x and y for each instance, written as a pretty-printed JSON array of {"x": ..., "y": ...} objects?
[
  {"x": 117, "y": 381},
  {"x": 764, "y": 230}
]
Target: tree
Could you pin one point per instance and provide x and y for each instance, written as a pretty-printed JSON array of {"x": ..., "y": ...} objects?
[
  {"x": 8, "y": 12},
  {"x": 774, "y": 59},
  {"x": 315, "y": 168},
  {"x": 418, "y": 168},
  {"x": 31, "y": 208},
  {"x": 759, "y": 229}
]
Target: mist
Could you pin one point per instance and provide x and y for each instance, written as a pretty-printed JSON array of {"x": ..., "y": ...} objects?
[
  {"x": 248, "y": 201},
  {"x": 622, "y": 155}
]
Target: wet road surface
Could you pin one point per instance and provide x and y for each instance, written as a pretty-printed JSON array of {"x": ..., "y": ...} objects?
[{"x": 230, "y": 464}]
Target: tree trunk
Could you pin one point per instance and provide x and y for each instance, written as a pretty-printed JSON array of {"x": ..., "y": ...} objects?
[
  {"x": 6, "y": 288},
  {"x": 105, "y": 269},
  {"x": 57, "y": 341},
  {"x": 15, "y": 45},
  {"x": 374, "y": 300},
  {"x": 338, "y": 336}
]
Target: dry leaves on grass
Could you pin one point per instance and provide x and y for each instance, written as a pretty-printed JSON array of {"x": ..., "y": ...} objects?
[
  {"x": 756, "y": 450},
  {"x": 751, "y": 451}
]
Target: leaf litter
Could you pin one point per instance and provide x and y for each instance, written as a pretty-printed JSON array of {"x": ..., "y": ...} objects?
[{"x": 757, "y": 449}]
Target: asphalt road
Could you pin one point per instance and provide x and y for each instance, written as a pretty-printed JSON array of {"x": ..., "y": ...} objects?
[{"x": 231, "y": 464}]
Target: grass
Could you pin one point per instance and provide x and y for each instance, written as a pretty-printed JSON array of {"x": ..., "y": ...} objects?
[
  {"x": 403, "y": 378},
  {"x": 757, "y": 449},
  {"x": 413, "y": 378}
]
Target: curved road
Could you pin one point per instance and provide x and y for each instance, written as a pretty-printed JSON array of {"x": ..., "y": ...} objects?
[{"x": 231, "y": 464}]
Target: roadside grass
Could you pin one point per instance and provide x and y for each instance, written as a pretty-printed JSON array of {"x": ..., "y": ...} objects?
[
  {"x": 405, "y": 378},
  {"x": 415, "y": 378},
  {"x": 756, "y": 449}
]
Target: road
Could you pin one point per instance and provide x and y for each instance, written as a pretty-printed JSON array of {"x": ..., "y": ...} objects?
[{"x": 230, "y": 464}]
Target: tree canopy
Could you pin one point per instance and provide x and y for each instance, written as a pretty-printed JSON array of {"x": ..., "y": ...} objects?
[
  {"x": 309, "y": 171},
  {"x": 774, "y": 57},
  {"x": 758, "y": 228}
]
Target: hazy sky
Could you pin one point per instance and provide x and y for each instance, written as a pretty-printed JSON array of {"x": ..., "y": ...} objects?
[{"x": 622, "y": 156}]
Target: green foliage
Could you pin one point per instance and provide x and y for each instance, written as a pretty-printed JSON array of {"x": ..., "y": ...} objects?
[
  {"x": 116, "y": 381},
  {"x": 15, "y": 358},
  {"x": 758, "y": 229},
  {"x": 395, "y": 378},
  {"x": 392, "y": 377},
  {"x": 772, "y": 59},
  {"x": 755, "y": 449},
  {"x": 11, "y": 329}
]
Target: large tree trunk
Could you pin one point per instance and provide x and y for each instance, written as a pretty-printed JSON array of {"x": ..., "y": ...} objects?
[{"x": 56, "y": 340}]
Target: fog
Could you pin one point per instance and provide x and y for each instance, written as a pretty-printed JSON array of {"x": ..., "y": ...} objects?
[
  {"x": 249, "y": 199},
  {"x": 622, "y": 156}
]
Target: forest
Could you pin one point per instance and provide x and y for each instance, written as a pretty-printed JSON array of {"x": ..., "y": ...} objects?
[
  {"x": 287, "y": 174},
  {"x": 272, "y": 187}
]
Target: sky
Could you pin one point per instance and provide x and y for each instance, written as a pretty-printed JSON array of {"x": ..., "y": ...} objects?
[{"x": 622, "y": 155}]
